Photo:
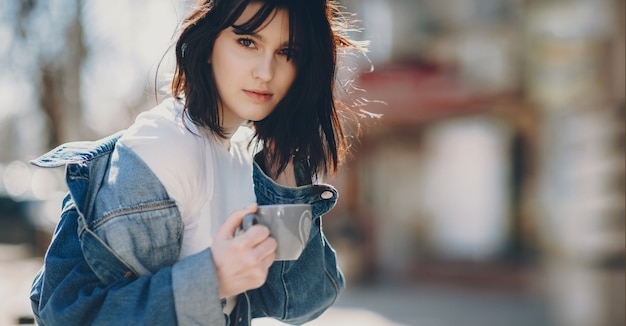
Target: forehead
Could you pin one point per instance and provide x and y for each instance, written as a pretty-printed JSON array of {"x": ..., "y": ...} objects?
[
  {"x": 257, "y": 16},
  {"x": 251, "y": 9}
]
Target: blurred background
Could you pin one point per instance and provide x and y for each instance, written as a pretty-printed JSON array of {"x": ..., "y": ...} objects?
[{"x": 489, "y": 192}]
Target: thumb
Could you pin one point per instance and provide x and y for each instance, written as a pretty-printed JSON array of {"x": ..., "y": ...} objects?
[{"x": 233, "y": 221}]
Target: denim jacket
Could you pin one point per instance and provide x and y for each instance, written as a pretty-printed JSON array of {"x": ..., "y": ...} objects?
[{"x": 113, "y": 259}]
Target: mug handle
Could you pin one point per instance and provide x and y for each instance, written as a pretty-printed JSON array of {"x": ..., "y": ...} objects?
[{"x": 248, "y": 221}]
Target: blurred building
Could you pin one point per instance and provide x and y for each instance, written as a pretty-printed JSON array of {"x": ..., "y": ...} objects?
[
  {"x": 499, "y": 158},
  {"x": 439, "y": 176}
]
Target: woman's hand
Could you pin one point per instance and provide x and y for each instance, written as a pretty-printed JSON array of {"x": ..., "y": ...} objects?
[{"x": 242, "y": 261}]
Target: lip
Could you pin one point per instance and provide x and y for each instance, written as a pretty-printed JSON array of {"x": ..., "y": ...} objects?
[{"x": 258, "y": 95}]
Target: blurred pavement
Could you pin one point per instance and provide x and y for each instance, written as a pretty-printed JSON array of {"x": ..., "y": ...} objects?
[{"x": 388, "y": 305}]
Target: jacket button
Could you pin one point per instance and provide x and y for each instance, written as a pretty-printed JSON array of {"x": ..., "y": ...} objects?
[{"x": 327, "y": 195}]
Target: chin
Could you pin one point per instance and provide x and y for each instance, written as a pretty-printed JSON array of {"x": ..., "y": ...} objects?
[{"x": 258, "y": 117}]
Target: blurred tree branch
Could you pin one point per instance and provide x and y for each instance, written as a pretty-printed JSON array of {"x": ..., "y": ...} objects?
[{"x": 57, "y": 75}]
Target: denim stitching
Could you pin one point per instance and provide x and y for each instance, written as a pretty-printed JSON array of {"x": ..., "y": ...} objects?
[{"x": 123, "y": 212}]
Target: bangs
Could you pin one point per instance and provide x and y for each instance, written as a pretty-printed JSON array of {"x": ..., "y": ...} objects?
[{"x": 268, "y": 10}]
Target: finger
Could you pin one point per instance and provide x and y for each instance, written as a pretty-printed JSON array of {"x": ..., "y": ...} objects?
[
  {"x": 268, "y": 260},
  {"x": 266, "y": 248},
  {"x": 234, "y": 221},
  {"x": 254, "y": 236}
]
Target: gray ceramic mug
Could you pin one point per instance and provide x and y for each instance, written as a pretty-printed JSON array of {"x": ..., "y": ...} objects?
[{"x": 289, "y": 225}]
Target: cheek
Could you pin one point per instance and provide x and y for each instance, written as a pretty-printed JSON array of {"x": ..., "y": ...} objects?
[
  {"x": 223, "y": 80},
  {"x": 224, "y": 69},
  {"x": 224, "y": 58}
]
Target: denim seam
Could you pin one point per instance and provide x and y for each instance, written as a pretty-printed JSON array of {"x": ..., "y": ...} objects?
[
  {"x": 77, "y": 177},
  {"x": 335, "y": 285},
  {"x": 111, "y": 251},
  {"x": 282, "y": 278},
  {"x": 68, "y": 208},
  {"x": 123, "y": 212}
]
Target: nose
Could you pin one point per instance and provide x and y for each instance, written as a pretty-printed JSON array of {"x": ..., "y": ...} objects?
[{"x": 264, "y": 68}]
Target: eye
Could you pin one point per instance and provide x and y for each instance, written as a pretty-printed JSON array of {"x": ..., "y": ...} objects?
[
  {"x": 246, "y": 42},
  {"x": 289, "y": 53}
]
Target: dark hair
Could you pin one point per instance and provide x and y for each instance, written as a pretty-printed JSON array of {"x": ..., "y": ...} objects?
[{"x": 305, "y": 125}]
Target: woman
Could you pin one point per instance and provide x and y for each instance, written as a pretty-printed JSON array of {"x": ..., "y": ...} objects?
[{"x": 146, "y": 236}]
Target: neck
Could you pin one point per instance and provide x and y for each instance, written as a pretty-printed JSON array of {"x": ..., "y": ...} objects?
[{"x": 230, "y": 123}]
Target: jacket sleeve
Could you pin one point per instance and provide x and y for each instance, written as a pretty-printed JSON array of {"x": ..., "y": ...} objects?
[{"x": 67, "y": 292}]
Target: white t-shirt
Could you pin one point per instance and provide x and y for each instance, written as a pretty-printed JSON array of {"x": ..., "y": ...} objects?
[{"x": 206, "y": 180}]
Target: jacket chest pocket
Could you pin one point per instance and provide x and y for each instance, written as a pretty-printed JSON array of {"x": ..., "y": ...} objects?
[{"x": 133, "y": 242}]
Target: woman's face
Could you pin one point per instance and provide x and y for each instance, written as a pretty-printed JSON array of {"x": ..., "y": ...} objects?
[{"x": 251, "y": 71}]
